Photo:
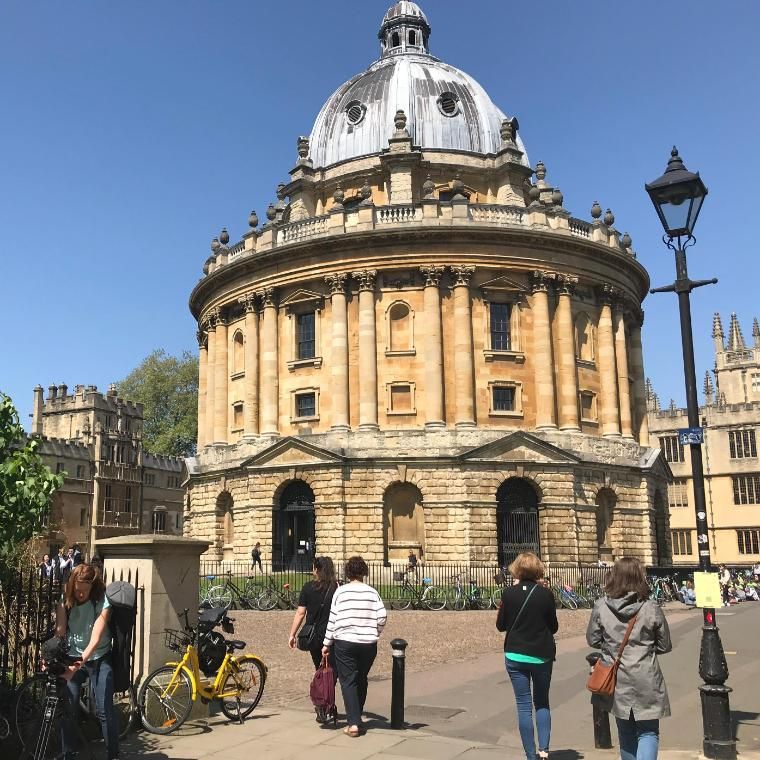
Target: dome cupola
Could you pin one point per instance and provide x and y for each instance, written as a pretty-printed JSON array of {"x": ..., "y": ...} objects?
[{"x": 405, "y": 29}]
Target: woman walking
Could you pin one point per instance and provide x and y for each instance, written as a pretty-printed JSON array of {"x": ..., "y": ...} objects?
[
  {"x": 357, "y": 618},
  {"x": 640, "y": 697},
  {"x": 528, "y": 615},
  {"x": 314, "y": 605}
]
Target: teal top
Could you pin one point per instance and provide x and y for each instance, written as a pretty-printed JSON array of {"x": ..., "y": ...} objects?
[
  {"x": 516, "y": 657},
  {"x": 82, "y": 618}
]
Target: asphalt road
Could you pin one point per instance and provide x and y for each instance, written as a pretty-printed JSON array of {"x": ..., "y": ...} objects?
[{"x": 472, "y": 700}]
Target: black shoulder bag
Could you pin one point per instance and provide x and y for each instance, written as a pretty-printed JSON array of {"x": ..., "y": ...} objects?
[{"x": 305, "y": 639}]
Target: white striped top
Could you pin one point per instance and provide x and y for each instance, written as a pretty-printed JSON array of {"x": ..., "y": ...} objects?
[{"x": 357, "y": 614}]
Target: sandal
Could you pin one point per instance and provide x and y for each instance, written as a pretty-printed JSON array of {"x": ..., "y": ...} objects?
[{"x": 352, "y": 731}]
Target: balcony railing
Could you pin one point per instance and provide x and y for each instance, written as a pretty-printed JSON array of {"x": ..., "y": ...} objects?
[{"x": 110, "y": 519}]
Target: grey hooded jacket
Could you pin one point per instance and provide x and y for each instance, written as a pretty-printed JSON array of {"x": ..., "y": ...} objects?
[{"x": 640, "y": 685}]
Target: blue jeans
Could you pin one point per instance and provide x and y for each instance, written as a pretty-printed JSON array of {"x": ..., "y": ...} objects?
[
  {"x": 521, "y": 674},
  {"x": 639, "y": 739},
  {"x": 100, "y": 674}
]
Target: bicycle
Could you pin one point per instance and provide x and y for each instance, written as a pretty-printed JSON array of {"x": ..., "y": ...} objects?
[
  {"x": 474, "y": 598},
  {"x": 503, "y": 582},
  {"x": 660, "y": 590},
  {"x": 271, "y": 596},
  {"x": 426, "y": 596},
  {"x": 42, "y": 703},
  {"x": 167, "y": 695},
  {"x": 229, "y": 595},
  {"x": 566, "y": 597}
]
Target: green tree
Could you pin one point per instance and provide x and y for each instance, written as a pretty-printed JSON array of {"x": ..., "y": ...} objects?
[
  {"x": 26, "y": 485},
  {"x": 167, "y": 387}
]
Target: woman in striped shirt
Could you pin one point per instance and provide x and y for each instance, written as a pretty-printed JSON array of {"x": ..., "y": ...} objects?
[{"x": 357, "y": 617}]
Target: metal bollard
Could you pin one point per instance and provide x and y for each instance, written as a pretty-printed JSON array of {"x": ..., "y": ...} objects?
[
  {"x": 397, "y": 684},
  {"x": 601, "y": 718}
]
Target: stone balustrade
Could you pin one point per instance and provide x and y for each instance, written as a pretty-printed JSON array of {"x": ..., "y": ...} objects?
[{"x": 427, "y": 214}]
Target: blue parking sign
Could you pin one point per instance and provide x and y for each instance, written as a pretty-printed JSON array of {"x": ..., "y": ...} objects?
[{"x": 691, "y": 436}]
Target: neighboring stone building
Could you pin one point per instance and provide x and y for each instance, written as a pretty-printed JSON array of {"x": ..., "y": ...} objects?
[
  {"x": 731, "y": 419},
  {"x": 421, "y": 349},
  {"x": 112, "y": 487}
]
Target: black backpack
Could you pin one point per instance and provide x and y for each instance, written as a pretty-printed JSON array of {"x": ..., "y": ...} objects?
[{"x": 122, "y": 598}]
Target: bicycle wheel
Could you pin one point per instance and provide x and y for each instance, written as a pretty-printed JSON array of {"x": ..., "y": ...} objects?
[
  {"x": 481, "y": 599},
  {"x": 165, "y": 700},
  {"x": 458, "y": 602},
  {"x": 247, "y": 677},
  {"x": 219, "y": 596},
  {"x": 124, "y": 704},
  {"x": 267, "y": 600},
  {"x": 496, "y": 597},
  {"x": 28, "y": 711},
  {"x": 434, "y": 598},
  {"x": 568, "y": 601},
  {"x": 401, "y": 599}
]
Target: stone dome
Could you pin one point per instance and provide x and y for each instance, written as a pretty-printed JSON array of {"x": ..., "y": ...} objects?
[{"x": 446, "y": 109}]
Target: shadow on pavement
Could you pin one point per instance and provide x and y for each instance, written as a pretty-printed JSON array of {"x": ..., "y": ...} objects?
[
  {"x": 374, "y": 720},
  {"x": 741, "y": 718},
  {"x": 566, "y": 754}
]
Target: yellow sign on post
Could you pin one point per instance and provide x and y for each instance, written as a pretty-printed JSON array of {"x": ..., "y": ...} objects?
[{"x": 707, "y": 589}]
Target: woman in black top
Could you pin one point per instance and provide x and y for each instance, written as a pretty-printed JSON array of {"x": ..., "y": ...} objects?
[
  {"x": 314, "y": 606},
  {"x": 528, "y": 615}
]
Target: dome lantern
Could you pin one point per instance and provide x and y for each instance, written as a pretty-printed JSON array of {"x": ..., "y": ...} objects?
[{"x": 405, "y": 29}]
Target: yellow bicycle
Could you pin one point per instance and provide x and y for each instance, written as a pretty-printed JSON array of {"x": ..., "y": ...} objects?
[{"x": 208, "y": 669}]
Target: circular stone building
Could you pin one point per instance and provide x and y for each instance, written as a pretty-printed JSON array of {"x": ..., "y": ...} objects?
[{"x": 421, "y": 348}]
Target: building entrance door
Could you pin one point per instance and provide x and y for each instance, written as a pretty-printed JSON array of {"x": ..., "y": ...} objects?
[
  {"x": 294, "y": 529},
  {"x": 516, "y": 520}
]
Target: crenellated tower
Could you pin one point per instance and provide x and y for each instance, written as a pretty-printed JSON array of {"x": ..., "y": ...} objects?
[{"x": 737, "y": 365}]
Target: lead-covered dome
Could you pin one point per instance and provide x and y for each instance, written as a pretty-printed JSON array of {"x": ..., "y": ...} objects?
[{"x": 446, "y": 109}]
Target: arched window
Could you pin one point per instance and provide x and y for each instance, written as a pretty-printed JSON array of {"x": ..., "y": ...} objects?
[
  {"x": 412, "y": 38},
  {"x": 585, "y": 338},
  {"x": 400, "y": 328},
  {"x": 238, "y": 353},
  {"x": 517, "y": 527},
  {"x": 395, "y": 41},
  {"x": 605, "y": 515}
]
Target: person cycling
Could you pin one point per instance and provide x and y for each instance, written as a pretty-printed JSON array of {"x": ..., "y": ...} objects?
[{"x": 82, "y": 618}]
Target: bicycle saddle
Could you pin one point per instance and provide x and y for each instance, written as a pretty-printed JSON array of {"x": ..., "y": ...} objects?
[{"x": 236, "y": 644}]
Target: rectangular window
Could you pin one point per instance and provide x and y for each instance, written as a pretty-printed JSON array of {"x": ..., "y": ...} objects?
[
  {"x": 742, "y": 444},
  {"x": 746, "y": 489},
  {"x": 82, "y": 517},
  {"x": 306, "y": 405},
  {"x": 681, "y": 542},
  {"x": 678, "y": 493},
  {"x": 128, "y": 499},
  {"x": 501, "y": 339},
  {"x": 59, "y": 468},
  {"x": 159, "y": 521},
  {"x": 503, "y": 399},
  {"x": 748, "y": 541},
  {"x": 305, "y": 336},
  {"x": 588, "y": 406},
  {"x": 672, "y": 448},
  {"x": 237, "y": 417},
  {"x": 177, "y": 521},
  {"x": 401, "y": 398},
  {"x": 756, "y": 382},
  {"x": 108, "y": 498},
  {"x": 80, "y": 471},
  {"x": 149, "y": 479}
]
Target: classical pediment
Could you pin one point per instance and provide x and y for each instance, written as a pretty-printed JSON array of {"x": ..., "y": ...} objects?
[
  {"x": 520, "y": 447},
  {"x": 292, "y": 452},
  {"x": 654, "y": 461},
  {"x": 303, "y": 296},
  {"x": 503, "y": 285}
]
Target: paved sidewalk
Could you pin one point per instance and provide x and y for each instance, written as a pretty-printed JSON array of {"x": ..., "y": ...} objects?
[{"x": 294, "y": 735}]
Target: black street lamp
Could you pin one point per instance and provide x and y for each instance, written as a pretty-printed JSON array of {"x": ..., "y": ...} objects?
[{"x": 677, "y": 196}]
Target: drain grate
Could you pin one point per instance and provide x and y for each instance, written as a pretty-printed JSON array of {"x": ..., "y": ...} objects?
[{"x": 432, "y": 711}]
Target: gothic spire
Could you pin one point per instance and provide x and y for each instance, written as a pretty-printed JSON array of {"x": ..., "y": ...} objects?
[
  {"x": 717, "y": 334},
  {"x": 709, "y": 390},
  {"x": 756, "y": 332},
  {"x": 735, "y": 337}
]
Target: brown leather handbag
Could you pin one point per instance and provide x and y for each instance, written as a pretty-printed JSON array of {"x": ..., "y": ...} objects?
[{"x": 603, "y": 677}]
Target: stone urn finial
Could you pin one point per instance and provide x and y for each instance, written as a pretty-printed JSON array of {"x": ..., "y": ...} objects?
[
  {"x": 253, "y": 220},
  {"x": 281, "y": 191},
  {"x": 366, "y": 192},
  {"x": 339, "y": 196},
  {"x": 534, "y": 194},
  {"x": 399, "y": 120},
  {"x": 271, "y": 212},
  {"x": 224, "y": 236},
  {"x": 303, "y": 147},
  {"x": 458, "y": 187},
  {"x": 215, "y": 245},
  {"x": 609, "y": 218},
  {"x": 540, "y": 171},
  {"x": 428, "y": 187},
  {"x": 626, "y": 241},
  {"x": 596, "y": 210},
  {"x": 557, "y": 197}
]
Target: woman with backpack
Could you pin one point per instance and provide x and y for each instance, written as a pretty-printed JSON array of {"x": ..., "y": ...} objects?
[
  {"x": 528, "y": 616},
  {"x": 82, "y": 618},
  {"x": 640, "y": 698}
]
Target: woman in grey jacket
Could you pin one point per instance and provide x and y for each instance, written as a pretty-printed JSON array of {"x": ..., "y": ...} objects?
[{"x": 640, "y": 698}]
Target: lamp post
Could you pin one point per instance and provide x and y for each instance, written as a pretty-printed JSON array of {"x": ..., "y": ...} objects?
[{"x": 677, "y": 197}]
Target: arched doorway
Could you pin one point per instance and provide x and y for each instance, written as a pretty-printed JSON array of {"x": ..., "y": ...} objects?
[
  {"x": 605, "y": 513},
  {"x": 404, "y": 527},
  {"x": 293, "y": 527},
  {"x": 516, "y": 519}
]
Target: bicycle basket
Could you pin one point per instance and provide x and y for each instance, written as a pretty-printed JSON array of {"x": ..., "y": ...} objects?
[
  {"x": 399, "y": 576},
  {"x": 177, "y": 641}
]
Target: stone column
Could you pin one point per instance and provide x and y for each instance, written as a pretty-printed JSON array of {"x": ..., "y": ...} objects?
[
  {"x": 221, "y": 380},
  {"x": 464, "y": 372},
  {"x": 339, "y": 352},
  {"x": 202, "y": 370},
  {"x": 568, "y": 377},
  {"x": 621, "y": 362},
  {"x": 546, "y": 417},
  {"x": 641, "y": 428},
  {"x": 251, "y": 413},
  {"x": 434, "y": 413},
  {"x": 270, "y": 379},
  {"x": 208, "y": 414},
  {"x": 609, "y": 414},
  {"x": 367, "y": 350}
]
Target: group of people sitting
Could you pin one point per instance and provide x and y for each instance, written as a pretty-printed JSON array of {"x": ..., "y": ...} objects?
[{"x": 741, "y": 586}]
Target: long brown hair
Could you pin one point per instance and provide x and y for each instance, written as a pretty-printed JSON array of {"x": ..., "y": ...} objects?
[
  {"x": 627, "y": 575},
  {"x": 325, "y": 572},
  {"x": 84, "y": 573}
]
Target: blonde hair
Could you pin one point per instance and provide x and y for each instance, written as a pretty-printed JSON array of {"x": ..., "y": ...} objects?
[{"x": 527, "y": 567}]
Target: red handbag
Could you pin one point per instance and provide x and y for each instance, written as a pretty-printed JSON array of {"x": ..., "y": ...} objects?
[
  {"x": 603, "y": 678},
  {"x": 322, "y": 693}
]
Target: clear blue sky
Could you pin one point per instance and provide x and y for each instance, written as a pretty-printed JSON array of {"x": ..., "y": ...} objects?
[{"x": 132, "y": 132}]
